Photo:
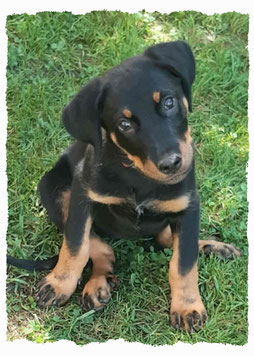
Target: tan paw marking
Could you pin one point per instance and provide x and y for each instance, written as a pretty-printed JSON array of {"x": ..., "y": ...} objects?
[
  {"x": 55, "y": 289},
  {"x": 97, "y": 291},
  {"x": 189, "y": 316},
  {"x": 220, "y": 249}
]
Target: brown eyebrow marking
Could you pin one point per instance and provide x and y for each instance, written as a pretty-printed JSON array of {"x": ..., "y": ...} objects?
[
  {"x": 156, "y": 96},
  {"x": 127, "y": 113}
]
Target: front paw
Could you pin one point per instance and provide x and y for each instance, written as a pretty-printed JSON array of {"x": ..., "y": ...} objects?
[
  {"x": 190, "y": 316},
  {"x": 55, "y": 289},
  {"x": 97, "y": 292}
]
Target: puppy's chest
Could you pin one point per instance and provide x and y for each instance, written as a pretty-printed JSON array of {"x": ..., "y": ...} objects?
[
  {"x": 142, "y": 204},
  {"x": 172, "y": 205}
]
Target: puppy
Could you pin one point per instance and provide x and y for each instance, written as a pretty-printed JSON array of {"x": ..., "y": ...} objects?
[{"x": 129, "y": 174}]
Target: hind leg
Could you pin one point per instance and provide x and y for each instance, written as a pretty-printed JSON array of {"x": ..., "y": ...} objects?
[
  {"x": 164, "y": 238},
  {"x": 97, "y": 291},
  {"x": 54, "y": 189},
  {"x": 69, "y": 208},
  {"x": 220, "y": 249},
  {"x": 55, "y": 185}
]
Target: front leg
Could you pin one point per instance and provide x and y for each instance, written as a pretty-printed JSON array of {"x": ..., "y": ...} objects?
[
  {"x": 61, "y": 282},
  {"x": 97, "y": 291},
  {"x": 187, "y": 310}
]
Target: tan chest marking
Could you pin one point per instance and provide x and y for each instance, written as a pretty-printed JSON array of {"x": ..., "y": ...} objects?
[
  {"x": 105, "y": 199},
  {"x": 173, "y": 205}
]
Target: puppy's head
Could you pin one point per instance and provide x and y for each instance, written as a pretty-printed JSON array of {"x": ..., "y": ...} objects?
[{"x": 143, "y": 105}]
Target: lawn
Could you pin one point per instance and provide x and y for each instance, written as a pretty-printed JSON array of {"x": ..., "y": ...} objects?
[{"x": 50, "y": 55}]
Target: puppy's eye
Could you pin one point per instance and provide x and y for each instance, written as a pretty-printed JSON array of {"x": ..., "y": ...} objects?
[
  {"x": 168, "y": 103},
  {"x": 124, "y": 125}
]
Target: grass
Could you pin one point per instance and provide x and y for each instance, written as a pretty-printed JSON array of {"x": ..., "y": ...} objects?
[{"x": 50, "y": 55}]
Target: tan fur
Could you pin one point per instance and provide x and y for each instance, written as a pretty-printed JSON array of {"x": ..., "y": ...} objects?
[
  {"x": 186, "y": 152},
  {"x": 66, "y": 196},
  {"x": 104, "y": 199},
  {"x": 156, "y": 96},
  {"x": 217, "y": 247},
  {"x": 64, "y": 277},
  {"x": 185, "y": 103},
  {"x": 136, "y": 160},
  {"x": 127, "y": 113},
  {"x": 188, "y": 138},
  {"x": 149, "y": 169},
  {"x": 173, "y": 205},
  {"x": 164, "y": 238},
  {"x": 185, "y": 296},
  {"x": 103, "y": 258},
  {"x": 95, "y": 286}
]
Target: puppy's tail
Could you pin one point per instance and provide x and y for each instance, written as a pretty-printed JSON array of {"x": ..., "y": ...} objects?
[{"x": 30, "y": 265}]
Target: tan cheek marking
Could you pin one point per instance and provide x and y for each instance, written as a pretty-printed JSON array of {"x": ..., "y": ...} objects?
[
  {"x": 156, "y": 96},
  {"x": 185, "y": 103},
  {"x": 127, "y": 113},
  {"x": 136, "y": 160},
  {"x": 173, "y": 205},
  {"x": 164, "y": 238},
  {"x": 113, "y": 138},
  {"x": 151, "y": 171},
  {"x": 187, "y": 153},
  {"x": 148, "y": 168},
  {"x": 104, "y": 199},
  {"x": 187, "y": 136}
]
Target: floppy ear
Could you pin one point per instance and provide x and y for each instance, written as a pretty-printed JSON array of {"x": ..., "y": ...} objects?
[
  {"x": 178, "y": 58},
  {"x": 81, "y": 117}
]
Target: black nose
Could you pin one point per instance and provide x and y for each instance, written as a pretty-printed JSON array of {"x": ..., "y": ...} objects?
[{"x": 170, "y": 163}]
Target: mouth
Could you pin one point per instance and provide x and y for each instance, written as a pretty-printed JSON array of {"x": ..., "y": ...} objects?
[
  {"x": 149, "y": 169},
  {"x": 178, "y": 177}
]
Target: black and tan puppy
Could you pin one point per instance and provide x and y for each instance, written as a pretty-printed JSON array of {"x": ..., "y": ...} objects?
[{"x": 129, "y": 174}]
